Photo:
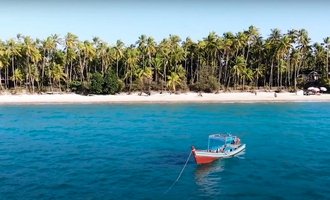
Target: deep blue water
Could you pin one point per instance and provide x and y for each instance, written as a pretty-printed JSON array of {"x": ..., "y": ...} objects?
[{"x": 137, "y": 151}]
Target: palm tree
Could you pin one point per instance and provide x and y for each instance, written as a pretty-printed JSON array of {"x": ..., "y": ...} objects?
[
  {"x": 320, "y": 58},
  {"x": 103, "y": 57},
  {"x": 151, "y": 49},
  {"x": 71, "y": 48},
  {"x": 303, "y": 46},
  {"x": 176, "y": 53},
  {"x": 144, "y": 76},
  {"x": 2, "y": 61},
  {"x": 33, "y": 56},
  {"x": 18, "y": 76},
  {"x": 57, "y": 74},
  {"x": 142, "y": 47},
  {"x": 12, "y": 51},
  {"x": 240, "y": 43},
  {"x": 283, "y": 50},
  {"x": 156, "y": 63},
  {"x": 132, "y": 58},
  {"x": 211, "y": 48},
  {"x": 272, "y": 47},
  {"x": 173, "y": 81},
  {"x": 228, "y": 51},
  {"x": 118, "y": 54},
  {"x": 247, "y": 75},
  {"x": 87, "y": 53},
  {"x": 258, "y": 72},
  {"x": 201, "y": 60},
  {"x": 327, "y": 48},
  {"x": 189, "y": 48},
  {"x": 49, "y": 47},
  {"x": 164, "y": 54},
  {"x": 238, "y": 71},
  {"x": 252, "y": 38}
]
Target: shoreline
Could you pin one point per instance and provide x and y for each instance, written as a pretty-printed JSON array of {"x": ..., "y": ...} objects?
[{"x": 165, "y": 98}]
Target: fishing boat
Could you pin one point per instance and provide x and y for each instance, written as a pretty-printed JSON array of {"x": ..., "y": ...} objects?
[{"x": 219, "y": 146}]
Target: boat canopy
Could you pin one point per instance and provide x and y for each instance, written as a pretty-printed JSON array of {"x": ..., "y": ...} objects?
[{"x": 218, "y": 140}]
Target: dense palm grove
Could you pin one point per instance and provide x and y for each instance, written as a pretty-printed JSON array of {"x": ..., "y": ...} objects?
[{"x": 241, "y": 61}]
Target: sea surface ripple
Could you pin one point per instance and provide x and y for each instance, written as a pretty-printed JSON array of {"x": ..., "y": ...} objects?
[{"x": 137, "y": 151}]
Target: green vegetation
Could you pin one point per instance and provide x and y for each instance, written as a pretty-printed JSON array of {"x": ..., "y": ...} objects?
[
  {"x": 111, "y": 83},
  {"x": 97, "y": 83},
  {"x": 240, "y": 61}
]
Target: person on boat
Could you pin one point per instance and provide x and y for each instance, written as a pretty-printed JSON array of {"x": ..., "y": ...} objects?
[
  {"x": 238, "y": 141},
  {"x": 222, "y": 149}
]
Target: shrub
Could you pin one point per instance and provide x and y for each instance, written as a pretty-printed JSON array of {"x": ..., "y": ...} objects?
[
  {"x": 78, "y": 87},
  {"x": 96, "y": 83},
  {"x": 325, "y": 82},
  {"x": 75, "y": 86},
  {"x": 207, "y": 84},
  {"x": 207, "y": 81},
  {"x": 111, "y": 83}
]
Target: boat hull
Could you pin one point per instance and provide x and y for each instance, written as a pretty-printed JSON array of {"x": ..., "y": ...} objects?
[{"x": 204, "y": 157}]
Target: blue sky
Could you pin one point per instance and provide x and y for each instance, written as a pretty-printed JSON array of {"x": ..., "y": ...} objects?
[{"x": 127, "y": 20}]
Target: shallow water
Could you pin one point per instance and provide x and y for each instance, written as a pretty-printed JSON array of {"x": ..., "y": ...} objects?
[{"x": 137, "y": 151}]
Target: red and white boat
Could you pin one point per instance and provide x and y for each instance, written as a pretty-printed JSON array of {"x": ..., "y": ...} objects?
[{"x": 219, "y": 146}]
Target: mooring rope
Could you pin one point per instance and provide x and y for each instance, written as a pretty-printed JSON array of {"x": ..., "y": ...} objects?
[{"x": 177, "y": 179}]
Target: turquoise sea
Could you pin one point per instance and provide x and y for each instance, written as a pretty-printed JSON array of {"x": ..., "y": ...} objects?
[{"x": 136, "y": 151}]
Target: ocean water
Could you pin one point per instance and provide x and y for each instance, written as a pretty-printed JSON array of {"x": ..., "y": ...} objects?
[{"x": 137, "y": 151}]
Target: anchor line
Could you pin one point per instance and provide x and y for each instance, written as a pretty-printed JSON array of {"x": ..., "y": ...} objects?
[{"x": 177, "y": 179}]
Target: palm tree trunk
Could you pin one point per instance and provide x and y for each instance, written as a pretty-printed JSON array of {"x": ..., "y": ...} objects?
[
  {"x": 32, "y": 81},
  {"x": 6, "y": 77},
  {"x": 219, "y": 74},
  {"x": 191, "y": 70},
  {"x": 130, "y": 83},
  {"x": 51, "y": 84},
  {"x": 42, "y": 72},
  {"x": 243, "y": 81},
  {"x": 278, "y": 72},
  {"x": 295, "y": 77},
  {"x": 220, "y": 70},
  {"x": 289, "y": 73},
  {"x": 156, "y": 76},
  {"x": 165, "y": 75},
  {"x": 29, "y": 73},
  {"x": 247, "y": 54},
  {"x": 271, "y": 75},
  {"x": 327, "y": 64},
  {"x": 117, "y": 63},
  {"x": 70, "y": 73},
  {"x": 102, "y": 66},
  {"x": 257, "y": 81},
  {"x": 226, "y": 68},
  {"x": 278, "y": 75},
  {"x": 281, "y": 78},
  {"x": 1, "y": 88},
  {"x": 228, "y": 83},
  {"x": 235, "y": 81},
  {"x": 13, "y": 70}
]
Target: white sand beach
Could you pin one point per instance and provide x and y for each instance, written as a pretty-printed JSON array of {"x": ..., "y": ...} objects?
[{"x": 156, "y": 97}]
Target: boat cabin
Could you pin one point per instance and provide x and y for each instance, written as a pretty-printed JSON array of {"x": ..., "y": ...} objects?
[{"x": 221, "y": 142}]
